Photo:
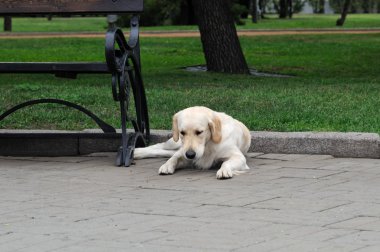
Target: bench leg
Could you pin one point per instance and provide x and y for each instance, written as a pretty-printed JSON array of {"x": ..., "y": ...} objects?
[
  {"x": 123, "y": 60},
  {"x": 140, "y": 136}
]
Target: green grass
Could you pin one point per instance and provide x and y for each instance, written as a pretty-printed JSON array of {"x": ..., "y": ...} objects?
[
  {"x": 336, "y": 84},
  {"x": 98, "y": 24},
  {"x": 315, "y": 21}
]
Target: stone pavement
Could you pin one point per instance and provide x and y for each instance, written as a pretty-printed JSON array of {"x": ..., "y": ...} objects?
[{"x": 284, "y": 203}]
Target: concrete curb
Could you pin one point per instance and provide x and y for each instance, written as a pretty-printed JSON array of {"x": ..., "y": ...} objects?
[
  {"x": 352, "y": 144},
  {"x": 356, "y": 145},
  {"x": 56, "y": 143}
]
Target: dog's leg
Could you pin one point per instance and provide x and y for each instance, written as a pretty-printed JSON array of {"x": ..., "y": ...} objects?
[
  {"x": 233, "y": 165},
  {"x": 142, "y": 153},
  {"x": 166, "y": 149},
  {"x": 170, "y": 165}
]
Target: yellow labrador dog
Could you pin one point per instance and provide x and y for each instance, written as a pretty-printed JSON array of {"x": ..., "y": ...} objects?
[{"x": 203, "y": 137}]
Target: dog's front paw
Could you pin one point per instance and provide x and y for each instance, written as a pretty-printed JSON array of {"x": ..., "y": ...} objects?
[
  {"x": 166, "y": 169},
  {"x": 224, "y": 173}
]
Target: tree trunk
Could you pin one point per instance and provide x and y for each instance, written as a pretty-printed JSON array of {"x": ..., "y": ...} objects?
[
  {"x": 283, "y": 13},
  {"x": 7, "y": 23},
  {"x": 219, "y": 38},
  {"x": 321, "y": 7},
  {"x": 247, "y": 4},
  {"x": 366, "y": 6},
  {"x": 346, "y": 6},
  {"x": 254, "y": 11},
  {"x": 186, "y": 13},
  {"x": 290, "y": 10},
  {"x": 262, "y": 8}
]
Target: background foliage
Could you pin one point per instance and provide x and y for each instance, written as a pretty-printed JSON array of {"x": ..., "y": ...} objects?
[{"x": 179, "y": 12}]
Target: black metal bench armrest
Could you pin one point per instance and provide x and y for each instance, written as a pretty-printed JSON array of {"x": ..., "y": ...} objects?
[
  {"x": 53, "y": 67},
  {"x": 60, "y": 69}
]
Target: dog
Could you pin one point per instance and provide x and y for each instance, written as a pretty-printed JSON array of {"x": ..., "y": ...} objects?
[{"x": 203, "y": 137}]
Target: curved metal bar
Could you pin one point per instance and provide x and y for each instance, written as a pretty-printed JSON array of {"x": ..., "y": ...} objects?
[
  {"x": 115, "y": 36},
  {"x": 113, "y": 56},
  {"x": 134, "y": 33},
  {"x": 110, "y": 53},
  {"x": 124, "y": 82},
  {"x": 125, "y": 157},
  {"x": 115, "y": 83},
  {"x": 103, "y": 125},
  {"x": 140, "y": 98},
  {"x": 123, "y": 61}
]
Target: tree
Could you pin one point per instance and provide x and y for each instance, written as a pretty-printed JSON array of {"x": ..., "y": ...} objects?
[
  {"x": 7, "y": 23},
  {"x": 219, "y": 38},
  {"x": 342, "y": 18},
  {"x": 290, "y": 8},
  {"x": 186, "y": 14},
  {"x": 318, "y": 6},
  {"x": 285, "y": 9},
  {"x": 262, "y": 4},
  {"x": 283, "y": 12},
  {"x": 366, "y": 6},
  {"x": 321, "y": 7},
  {"x": 254, "y": 11}
]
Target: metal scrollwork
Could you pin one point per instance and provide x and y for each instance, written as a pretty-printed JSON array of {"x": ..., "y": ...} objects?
[
  {"x": 123, "y": 60},
  {"x": 103, "y": 125}
]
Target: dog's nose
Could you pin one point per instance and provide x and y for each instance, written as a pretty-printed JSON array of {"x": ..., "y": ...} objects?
[{"x": 190, "y": 154}]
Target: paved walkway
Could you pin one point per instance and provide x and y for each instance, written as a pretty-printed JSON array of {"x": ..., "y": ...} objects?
[{"x": 284, "y": 203}]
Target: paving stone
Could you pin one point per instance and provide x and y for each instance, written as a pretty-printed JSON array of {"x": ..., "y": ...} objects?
[
  {"x": 266, "y": 245},
  {"x": 311, "y": 246},
  {"x": 363, "y": 238},
  {"x": 272, "y": 156},
  {"x": 368, "y": 249},
  {"x": 283, "y": 203},
  {"x": 359, "y": 222}
]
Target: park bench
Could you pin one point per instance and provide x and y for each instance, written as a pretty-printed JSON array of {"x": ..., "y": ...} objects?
[{"x": 122, "y": 63}]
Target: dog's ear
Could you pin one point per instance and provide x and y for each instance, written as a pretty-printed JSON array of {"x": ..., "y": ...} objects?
[
  {"x": 215, "y": 126},
  {"x": 175, "y": 128}
]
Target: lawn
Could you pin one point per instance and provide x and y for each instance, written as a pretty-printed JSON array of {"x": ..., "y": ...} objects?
[
  {"x": 335, "y": 84},
  {"x": 316, "y": 21},
  {"x": 98, "y": 24}
]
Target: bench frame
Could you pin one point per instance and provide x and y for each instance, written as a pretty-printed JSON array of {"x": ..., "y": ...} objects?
[{"x": 122, "y": 62}]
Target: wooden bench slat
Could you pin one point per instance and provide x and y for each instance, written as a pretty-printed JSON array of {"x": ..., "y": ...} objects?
[{"x": 20, "y": 7}]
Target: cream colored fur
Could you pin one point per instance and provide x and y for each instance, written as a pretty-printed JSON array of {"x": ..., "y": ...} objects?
[{"x": 212, "y": 136}]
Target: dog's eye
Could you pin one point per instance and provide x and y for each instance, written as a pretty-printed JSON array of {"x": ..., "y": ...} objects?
[
  {"x": 198, "y": 132},
  {"x": 182, "y": 133}
]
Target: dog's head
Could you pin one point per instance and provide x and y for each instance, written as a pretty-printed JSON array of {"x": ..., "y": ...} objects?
[{"x": 196, "y": 127}]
